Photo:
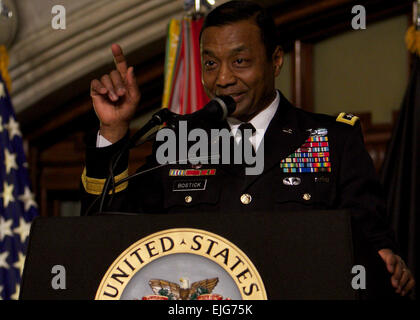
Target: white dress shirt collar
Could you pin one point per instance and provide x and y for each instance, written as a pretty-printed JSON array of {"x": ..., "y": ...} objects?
[{"x": 260, "y": 122}]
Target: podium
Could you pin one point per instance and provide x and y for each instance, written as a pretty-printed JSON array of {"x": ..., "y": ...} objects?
[{"x": 298, "y": 255}]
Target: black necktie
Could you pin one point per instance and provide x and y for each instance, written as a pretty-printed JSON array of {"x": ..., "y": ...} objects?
[
  {"x": 247, "y": 125},
  {"x": 247, "y": 130}
]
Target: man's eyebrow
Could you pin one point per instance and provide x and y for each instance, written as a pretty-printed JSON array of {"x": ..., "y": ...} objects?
[
  {"x": 240, "y": 49},
  {"x": 234, "y": 50},
  {"x": 208, "y": 52}
]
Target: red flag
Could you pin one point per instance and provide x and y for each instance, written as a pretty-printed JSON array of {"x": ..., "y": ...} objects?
[{"x": 184, "y": 92}]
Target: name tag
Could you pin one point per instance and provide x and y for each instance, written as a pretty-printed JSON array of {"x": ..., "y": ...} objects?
[{"x": 189, "y": 185}]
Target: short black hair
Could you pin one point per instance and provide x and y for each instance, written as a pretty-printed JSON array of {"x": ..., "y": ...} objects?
[{"x": 235, "y": 11}]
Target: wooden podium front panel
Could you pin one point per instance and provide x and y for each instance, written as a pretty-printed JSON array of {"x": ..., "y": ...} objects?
[{"x": 299, "y": 255}]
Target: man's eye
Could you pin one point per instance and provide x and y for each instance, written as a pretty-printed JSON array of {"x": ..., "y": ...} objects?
[
  {"x": 209, "y": 63},
  {"x": 241, "y": 62}
]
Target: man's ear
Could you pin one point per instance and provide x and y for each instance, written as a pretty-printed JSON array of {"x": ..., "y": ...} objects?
[{"x": 277, "y": 60}]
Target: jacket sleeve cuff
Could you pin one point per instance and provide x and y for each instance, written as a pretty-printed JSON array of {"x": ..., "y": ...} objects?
[
  {"x": 98, "y": 159},
  {"x": 98, "y": 162}
]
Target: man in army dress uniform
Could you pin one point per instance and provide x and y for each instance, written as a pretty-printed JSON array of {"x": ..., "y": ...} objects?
[{"x": 311, "y": 161}]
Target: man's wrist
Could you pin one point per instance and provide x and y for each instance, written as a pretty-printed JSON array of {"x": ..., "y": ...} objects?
[
  {"x": 98, "y": 158},
  {"x": 113, "y": 134}
]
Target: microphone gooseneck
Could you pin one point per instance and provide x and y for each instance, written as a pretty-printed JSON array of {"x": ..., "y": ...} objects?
[{"x": 218, "y": 109}]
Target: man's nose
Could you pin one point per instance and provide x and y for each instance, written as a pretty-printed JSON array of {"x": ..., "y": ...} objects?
[{"x": 225, "y": 77}]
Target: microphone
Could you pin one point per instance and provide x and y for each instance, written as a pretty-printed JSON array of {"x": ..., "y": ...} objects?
[{"x": 218, "y": 109}]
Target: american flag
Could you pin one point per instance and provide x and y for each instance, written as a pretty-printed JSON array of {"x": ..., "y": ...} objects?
[{"x": 17, "y": 205}]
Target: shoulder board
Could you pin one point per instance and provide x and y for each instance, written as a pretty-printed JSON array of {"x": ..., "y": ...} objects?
[{"x": 347, "y": 118}]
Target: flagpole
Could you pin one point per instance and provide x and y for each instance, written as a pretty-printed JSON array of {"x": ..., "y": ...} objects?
[
  {"x": 412, "y": 37},
  {"x": 4, "y": 62},
  {"x": 195, "y": 9}
]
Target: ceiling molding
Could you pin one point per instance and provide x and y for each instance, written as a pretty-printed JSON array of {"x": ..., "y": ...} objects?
[
  {"x": 312, "y": 22},
  {"x": 51, "y": 59}
]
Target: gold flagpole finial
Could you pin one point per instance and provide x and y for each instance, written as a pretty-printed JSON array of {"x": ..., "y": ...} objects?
[
  {"x": 5, "y": 11},
  {"x": 197, "y": 8},
  {"x": 412, "y": 37},
  {"x": 4, "y": 63}
]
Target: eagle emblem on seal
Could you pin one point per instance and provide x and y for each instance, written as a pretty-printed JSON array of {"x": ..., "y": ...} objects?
[{"x": 184, "y": 291}]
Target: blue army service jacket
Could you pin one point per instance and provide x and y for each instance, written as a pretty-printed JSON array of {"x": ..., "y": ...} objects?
[{"x": 311, "y": 161}]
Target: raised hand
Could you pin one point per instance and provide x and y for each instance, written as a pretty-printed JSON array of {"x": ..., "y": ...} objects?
[{"x": 115, "y": 98}]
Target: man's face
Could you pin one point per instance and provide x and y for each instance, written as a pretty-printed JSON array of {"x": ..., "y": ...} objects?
[{"x": 235, "y": 63}]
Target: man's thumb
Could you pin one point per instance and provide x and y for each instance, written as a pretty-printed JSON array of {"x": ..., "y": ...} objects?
[{"x": 389, "y": 258}]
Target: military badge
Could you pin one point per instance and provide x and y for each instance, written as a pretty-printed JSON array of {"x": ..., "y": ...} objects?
[
  {"x": 312, "y": 156},
  {"x": 347, "y": 118},
  {"x": 191, "y": 172},
  {"x": 292, "y": 181},
  {"x": 320, "y": 132}
]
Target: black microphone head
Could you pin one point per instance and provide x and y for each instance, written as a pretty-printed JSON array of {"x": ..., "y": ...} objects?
[
  {"x": 218, "y": 109},
  {"x": 228, "y": 105}
]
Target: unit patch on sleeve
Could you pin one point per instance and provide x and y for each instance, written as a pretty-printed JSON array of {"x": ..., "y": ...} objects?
[{"x": 312, "y": 156}]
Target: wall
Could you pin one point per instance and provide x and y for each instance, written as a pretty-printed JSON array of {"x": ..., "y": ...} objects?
[
  {"x": 283, "y": 81},
  {"x": 363, "y": 70}
]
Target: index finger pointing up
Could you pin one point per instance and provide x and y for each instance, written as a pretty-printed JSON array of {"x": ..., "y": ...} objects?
[{"x": 119, "y": 60}]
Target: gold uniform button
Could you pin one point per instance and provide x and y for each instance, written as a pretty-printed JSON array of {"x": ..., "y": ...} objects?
[
  {"x": 306, "y": 196},
  {"x": 188, "y": 199},
  {"x": 246, "y": 198}
]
